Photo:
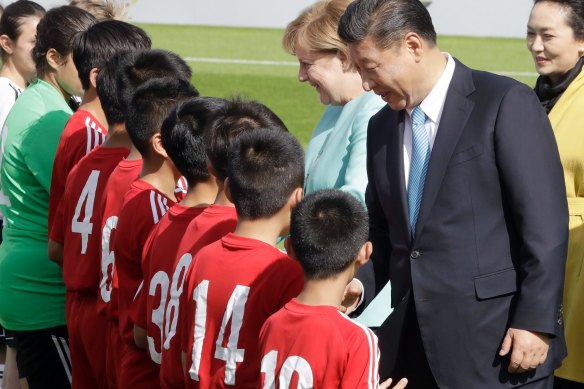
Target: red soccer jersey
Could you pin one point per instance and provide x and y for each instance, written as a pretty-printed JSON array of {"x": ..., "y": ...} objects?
[
  {"x": 158, "y": 302},
  {"x": 143, "y": 207},
  {"x": 317, "y": 346},
  {"x": 75, "y": 225},
  {"x": 234, "y": 285},
  {"x": 212, "y": 224},
  {"x": 81, "y": 134},
  {"x": 117, "y": 185}
]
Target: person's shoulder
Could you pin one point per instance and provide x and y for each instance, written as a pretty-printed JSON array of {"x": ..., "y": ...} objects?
[
  {"x": 386, "y": 115},
  {"x": 488, "y": 82},
  {"x": 8, "y": 90},
  {"x": 353, "y": 332},
  {"x": 28, "y": 108}
]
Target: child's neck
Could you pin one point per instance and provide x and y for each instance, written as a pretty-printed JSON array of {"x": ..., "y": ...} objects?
[
  {"x": 159, "y": 173},
  {"x": 221, "y": 198},
  {"x": 267, "y": 230},
  {"x": 201, "y": 194},
  {"x": 117, "y": 137},
  {"x": 328, "y": 291},
  {"x": 90, "y": 103}
]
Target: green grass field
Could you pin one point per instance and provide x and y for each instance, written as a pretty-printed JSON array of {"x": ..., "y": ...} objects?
[{"x": 277, "y": 86}]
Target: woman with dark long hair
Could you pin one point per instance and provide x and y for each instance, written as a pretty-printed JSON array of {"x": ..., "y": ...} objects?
[{"x": 28, "y": 279}]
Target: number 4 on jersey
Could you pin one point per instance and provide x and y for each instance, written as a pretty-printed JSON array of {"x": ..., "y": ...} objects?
[
  {"x": 87, "y": 197},
  {"x": 234, "y": 311}
]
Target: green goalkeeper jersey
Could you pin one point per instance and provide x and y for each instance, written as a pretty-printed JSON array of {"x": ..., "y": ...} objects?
[{"x": 32, "y": 293}]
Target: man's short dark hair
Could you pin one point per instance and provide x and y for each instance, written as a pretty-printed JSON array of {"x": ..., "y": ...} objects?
[
  {"x": 151, "y": 103},
  {"x": 328, "y": 228},
  {"x": 265, "y": 167},
  {"x": 183, "y": 136},
  {"x": 386, "y": 21},
  {"x": 95, "y": 46},
  {"x": 149, "y": 64},
  {"x": 235, "y": 118}
]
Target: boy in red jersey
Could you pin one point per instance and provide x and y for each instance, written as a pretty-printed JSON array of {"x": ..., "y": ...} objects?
[
  {"x": 145, "y": 203},
  {"x": 125, "y": 73},
  {"x": 213, "y": 222},
  {"x": 156, "y": 319},
  {"x": 74, "y": 240},
  {"x": 85, "y": 130},
  {"x": 236, "y": 117},
  {"x": 236, "y": 283},
  {"x": 309, "y": 342}
]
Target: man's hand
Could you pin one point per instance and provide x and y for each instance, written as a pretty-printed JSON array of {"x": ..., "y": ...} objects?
[
  {"x": 528, "y": 349},
  {"x": 400, "y": 385},
  {"x": 353, "y": 293}
]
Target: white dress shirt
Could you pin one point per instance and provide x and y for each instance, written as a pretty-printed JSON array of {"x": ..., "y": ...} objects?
[{"x": 432, "y": 106}]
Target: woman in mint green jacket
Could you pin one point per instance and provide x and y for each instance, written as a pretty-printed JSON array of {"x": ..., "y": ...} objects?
[{"x": 336, "y": 153}]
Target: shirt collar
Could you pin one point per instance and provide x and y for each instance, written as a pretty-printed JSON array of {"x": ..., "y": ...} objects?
[{"x": 434, "y": 101}]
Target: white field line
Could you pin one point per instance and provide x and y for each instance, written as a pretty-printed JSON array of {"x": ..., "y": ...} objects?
[{"x": 295, "y": 64}]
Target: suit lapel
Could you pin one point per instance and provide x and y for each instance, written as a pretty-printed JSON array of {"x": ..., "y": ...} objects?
[{"x": 456, "y": 111}]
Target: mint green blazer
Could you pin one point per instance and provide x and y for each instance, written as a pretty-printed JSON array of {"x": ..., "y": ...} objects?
[{"x": 337, "y": 152}]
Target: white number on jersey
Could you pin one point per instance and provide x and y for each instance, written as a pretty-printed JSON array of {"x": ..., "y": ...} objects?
[
  {"x": 107, "y": 260},
  {"x": 159, "y": 279},
  {"x": 166, "y": 317},
  {"x": 292, "y": 364},
  {"x": 87, "y": 197},
  {"x": 234, "y": 311}
]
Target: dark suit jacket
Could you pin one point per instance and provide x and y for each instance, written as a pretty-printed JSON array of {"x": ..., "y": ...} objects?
[{"x": 491, "y": 239}]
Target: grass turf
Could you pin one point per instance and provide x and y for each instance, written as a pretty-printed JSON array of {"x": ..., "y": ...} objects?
[{"x": 276, "y": 85}]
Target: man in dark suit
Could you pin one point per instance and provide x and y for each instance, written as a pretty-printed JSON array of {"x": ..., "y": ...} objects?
[{"x": 468, "y": 210}]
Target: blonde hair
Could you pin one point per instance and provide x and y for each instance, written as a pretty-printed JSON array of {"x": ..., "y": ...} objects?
[
  {"x": 103, "y": 9},
  {"x": 316, "y": 28}
]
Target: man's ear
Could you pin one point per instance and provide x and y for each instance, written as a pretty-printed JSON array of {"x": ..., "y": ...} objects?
[
  {"x": 6, "y": 43},
  {"x": 414, "y": 44},
  {"x": 156, "y": 145},
  {"x": 93, "y": 77},
  {"x": 54, "y": 59}
]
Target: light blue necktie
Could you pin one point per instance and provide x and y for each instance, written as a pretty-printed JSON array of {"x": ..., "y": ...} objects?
[
  {"x": 380, "y": 308},
  {"x": 418, "y": 165}
]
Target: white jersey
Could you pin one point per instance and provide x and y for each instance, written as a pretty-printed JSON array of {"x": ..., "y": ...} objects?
[{"x": 9, "y": 92}]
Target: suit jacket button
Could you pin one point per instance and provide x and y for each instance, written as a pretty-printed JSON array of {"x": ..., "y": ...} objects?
[{"x": 415, "y": 254}]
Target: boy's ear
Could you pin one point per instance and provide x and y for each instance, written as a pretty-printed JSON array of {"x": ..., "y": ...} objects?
[
  {"x": 6, "y": 43},
  {"x": 211, "y": 168},
  {"x": 364, "y": 254},
  {"x": 290, "y": 249},
  {"x": 227, "y": 189},
  {"x": 93, "y": 77},
  {"x": 296, "y": 197},
  {"x": 156, "y": 144}
]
